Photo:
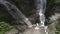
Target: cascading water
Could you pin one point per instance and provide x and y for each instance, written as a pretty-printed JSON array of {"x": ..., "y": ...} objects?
[
  {"x": 41, "y": 6},
  {"x": 17, "y": 14}
]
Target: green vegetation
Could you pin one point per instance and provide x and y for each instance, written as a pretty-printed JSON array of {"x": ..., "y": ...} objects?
[
  {"x": 58, "y": 25},
  {"x": 58, "y": 28},
  {"x": 4, "y": 27}
]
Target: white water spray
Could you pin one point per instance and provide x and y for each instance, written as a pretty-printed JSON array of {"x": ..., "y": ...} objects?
[
  {"x": 37, "y": 26},
  {"x": 16, "y": 13}
]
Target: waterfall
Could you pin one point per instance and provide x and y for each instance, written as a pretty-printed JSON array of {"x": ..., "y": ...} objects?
[
  {"x": 41, "y": 6},
  {"x": 16, "y": 13}
]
